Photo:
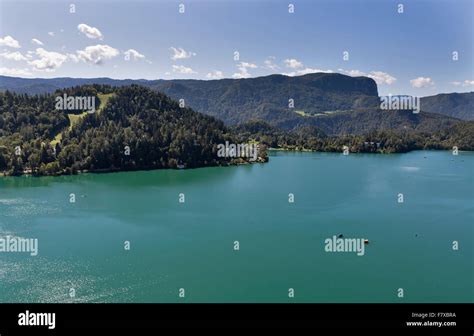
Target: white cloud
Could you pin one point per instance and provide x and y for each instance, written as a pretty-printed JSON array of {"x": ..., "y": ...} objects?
[
  {"x": 97, "y": 54},
  {"x": 293, "y": 63},
  {"x": 180, "y": 53},
  {"x": 36, "y": 41},
  {"x": 51, "y": 33},
  {"x": 421, "y": 82},
  {"x": 183, "y": 70},
  {"x": 465, "y": 83},
  {"x": 353, "y": 73},
  {"x": 216, "y": 74},
  {"x": 14, "y": 72},
  {"x": 379, "y": 77},
  {"x": 268, "y": 63},
  {"x": 305, "y": 71},
  {"x": 9, "y": 41},
  {"x": 300, "y": 69},
  {"x": 243, "y": 70},
  {"x": 47, "y": 60},
  {"x": 248, "y": 65},
  {"x": 90, "y": 32},
  {"x": 13, "y": 56},
  {"x": 73, "y": 57},
  {"x": 133, "y": 55}
]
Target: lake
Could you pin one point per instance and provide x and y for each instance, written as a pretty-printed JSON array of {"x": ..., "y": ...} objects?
[{"x": 127, "y": 237}]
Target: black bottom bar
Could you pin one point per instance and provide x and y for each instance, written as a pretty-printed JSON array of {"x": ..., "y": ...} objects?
[{"x": 435, "y": 319}]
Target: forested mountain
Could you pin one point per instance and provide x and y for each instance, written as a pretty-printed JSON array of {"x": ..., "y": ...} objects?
[
  {"x": 460, "y": 135},
  {"x": 458, "y": 105},
  {"x": 335, "y": 103},
  {"x": 137, "y": 129},
  {"x": 277, "y": 99},
  {"x": 363, "y": 121}
]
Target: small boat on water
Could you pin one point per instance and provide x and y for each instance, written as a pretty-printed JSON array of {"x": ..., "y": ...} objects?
[
  {"x": 180, "y": 166},
  {"x": 366, "y": 241}
]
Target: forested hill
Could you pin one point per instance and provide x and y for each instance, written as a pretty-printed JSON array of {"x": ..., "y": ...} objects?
[
  {"x": 458, "y": 105},
  {"x": 277, "y": 99},
  {"x": 239, "y": 100},
  {"x": 333, "y": 102},
  {"x": 134, "y": 128}
]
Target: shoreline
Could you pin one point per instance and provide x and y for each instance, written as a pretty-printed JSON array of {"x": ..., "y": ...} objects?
[
  {"x": 28, "y": 172},
  {"x": 260, "y": 160}
]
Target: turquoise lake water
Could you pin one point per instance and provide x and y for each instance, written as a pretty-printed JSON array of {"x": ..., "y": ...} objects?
[{"x": 190, "y": 245}]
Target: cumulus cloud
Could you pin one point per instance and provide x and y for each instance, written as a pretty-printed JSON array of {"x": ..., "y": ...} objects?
[
  {"x": 305, "y": 71},
  {"x": 422, "y": 82},
  {"x": 51, "y": 33},
  {"x": 269, "y": 63},
  {"x": 293, "y": 63},
  {"x": 97, "y": 54},
  {"x": 9, "y": 41},
  {"x": 13, "y": 56},
  {"x": 353, "y": 73},
  {"x": 73, "y": 57},
  {"x": 216, "y": 74},
  {"x": 183, "y": 70},
  {"x": 90, "y": 32},
  {"x": 243, "y": 70},
  {"x": 14, "y": 72},
  {"x": 47, "y": 60},
  {"x": 299, "y": 69},
  {"x": 464, "y": 83},
  {"x": 133, "y": 55},
  {"x": 37, "y": 42},
  {"x": 180, "y": 53},
  {"x": 379, "y": 77}
]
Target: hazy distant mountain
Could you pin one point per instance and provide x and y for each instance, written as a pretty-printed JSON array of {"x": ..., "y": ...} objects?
[
  {"x": 49, "y": 85},
  {"x": 458, "y": 105}
]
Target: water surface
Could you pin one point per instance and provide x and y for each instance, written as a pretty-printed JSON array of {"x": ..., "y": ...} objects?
[{"x": 191, "y": 245}]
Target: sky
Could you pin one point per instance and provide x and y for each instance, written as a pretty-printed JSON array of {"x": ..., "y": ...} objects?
[{"x": 420, "y": 49}]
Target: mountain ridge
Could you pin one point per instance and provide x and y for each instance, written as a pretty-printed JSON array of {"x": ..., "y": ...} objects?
[{"x": 205, "y": 95}]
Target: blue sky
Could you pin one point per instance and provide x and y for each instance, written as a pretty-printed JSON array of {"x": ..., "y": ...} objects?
[{"x": 406, "y": 53}]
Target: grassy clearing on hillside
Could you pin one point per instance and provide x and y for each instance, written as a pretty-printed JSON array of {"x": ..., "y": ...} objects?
[
  {"x": 74, "y": 118},
  {"x": 301, "y": 113},
  {"x": 104, "y": 99}
]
